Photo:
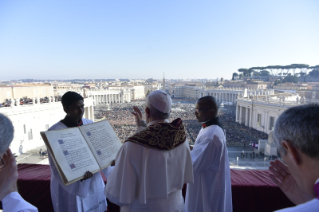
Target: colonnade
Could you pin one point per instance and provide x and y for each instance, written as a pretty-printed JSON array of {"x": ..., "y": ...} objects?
[
  {"x": 243, "y": 115},
  {"x": 89, "y": 112},
  {"x": 226, "y": 97},
  {"x": 111, "y": 98}
]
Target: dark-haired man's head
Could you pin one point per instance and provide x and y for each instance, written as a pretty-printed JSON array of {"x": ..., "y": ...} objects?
[
  {"x": 206, "y": 108},
  {"x": 73, "y": 105}
]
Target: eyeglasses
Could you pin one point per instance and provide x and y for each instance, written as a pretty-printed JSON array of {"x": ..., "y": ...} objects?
[
  {"x": 2, "y": 163},
  {"x": 203, "y": 109}
]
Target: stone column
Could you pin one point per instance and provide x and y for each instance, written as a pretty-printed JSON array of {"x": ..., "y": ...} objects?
[
  {"x": 240, "y": 114},
  {"x": 92, "y": 112},
  {"x": 18, "y": 102},
  {"x": 86, "y": 113},
  {"x": 237, "y": 115},
  {"x": 246, "y": 116},
  {"x": 251, "y": 118}
]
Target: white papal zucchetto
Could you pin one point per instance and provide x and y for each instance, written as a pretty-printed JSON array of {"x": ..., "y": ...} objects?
[{"x": 160, "y": 100}]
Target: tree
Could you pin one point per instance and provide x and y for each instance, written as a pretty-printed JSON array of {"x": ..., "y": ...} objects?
[
  {"x": 290, "y": 78},
  {"x": 264, "y": 73},
  {"x": 234, "y": 75},
  {"x": 315, "y": 71},
  {"x": 244, "y": 71}
]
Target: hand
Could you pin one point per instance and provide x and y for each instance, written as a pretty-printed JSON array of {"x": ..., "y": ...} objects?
[
  {"x": 138, "y": 115},
  {"x": 282, "y": 177},
  {"x": 8, "y": 175},
  {"x": 87, "y": 175}
]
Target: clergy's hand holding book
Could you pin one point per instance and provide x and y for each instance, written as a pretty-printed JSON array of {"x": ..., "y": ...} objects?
[{"x": 76, "y": 150}]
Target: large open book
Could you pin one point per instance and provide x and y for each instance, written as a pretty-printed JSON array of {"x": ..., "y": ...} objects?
[{"x": 90, "y": 147}]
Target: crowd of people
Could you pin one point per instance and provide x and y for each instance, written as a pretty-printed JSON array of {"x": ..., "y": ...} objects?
[
  {"x": 28, "y": 101},
  {"x": 120, "y": 117}
]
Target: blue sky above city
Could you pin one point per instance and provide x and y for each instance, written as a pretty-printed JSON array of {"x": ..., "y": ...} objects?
[{"x": 100, "y": 39}]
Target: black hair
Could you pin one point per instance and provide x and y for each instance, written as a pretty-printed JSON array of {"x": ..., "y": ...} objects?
[
  {"x": 210, "y": 102},
  {"x": 69, "y": 98}
]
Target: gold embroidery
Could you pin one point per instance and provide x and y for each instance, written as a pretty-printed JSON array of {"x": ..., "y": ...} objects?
[{"x": 161, "y": 136}]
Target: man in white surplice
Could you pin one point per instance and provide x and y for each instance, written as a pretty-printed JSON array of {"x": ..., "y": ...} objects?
[
  {"x": 152, "y": 166},
  {"x": 84, "y": 195},
  {"x": 211, "y": 191}
]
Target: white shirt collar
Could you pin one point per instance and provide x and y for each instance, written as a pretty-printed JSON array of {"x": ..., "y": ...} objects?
[{"x": 157, "y": 121}]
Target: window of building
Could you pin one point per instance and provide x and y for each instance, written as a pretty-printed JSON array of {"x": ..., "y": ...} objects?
[
  {"x": 271, "y": 122},
  {"x": 24, "y": 129},
  {"x": 30, "y": 135},
  {"x": 258, "y": 119}
]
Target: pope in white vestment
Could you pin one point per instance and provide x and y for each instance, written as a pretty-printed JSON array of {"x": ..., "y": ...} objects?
[
  {"x": 152, "y": 166},
  {"x": 146, "y": 179},
  {"x": 87, "y": 195}
]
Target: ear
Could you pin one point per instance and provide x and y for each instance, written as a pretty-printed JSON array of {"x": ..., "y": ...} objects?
[
  {"x": 212, "y": 112},
  {"x": 292, "y": 152}
]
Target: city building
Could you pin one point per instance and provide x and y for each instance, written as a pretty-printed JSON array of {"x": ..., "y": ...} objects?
[
  {"x": 30, "y": 120},
  {"x": 291, "y": 86},
  {"x": 25, "y": 90},
  {"x": 260, "y": 111}
]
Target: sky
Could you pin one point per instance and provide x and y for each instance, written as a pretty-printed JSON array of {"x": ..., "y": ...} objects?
[{"x": 140, "y": 39}]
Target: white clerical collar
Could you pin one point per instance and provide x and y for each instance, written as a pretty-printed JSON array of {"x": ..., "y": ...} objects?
[{"x": 157, "y": 121}]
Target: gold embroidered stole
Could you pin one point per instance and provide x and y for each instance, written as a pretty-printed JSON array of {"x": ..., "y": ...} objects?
[{"x": 161, "y": 136}]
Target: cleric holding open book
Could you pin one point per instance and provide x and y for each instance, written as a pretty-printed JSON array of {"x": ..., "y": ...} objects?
[
  {"x": 84, "y": 195},
  {"x": 152, "y": 166}
]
